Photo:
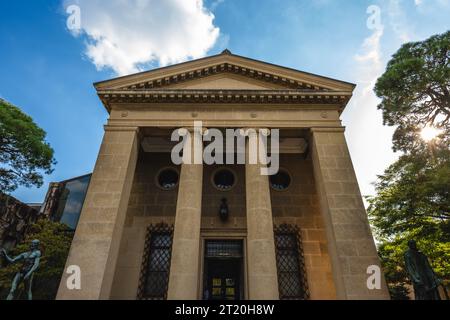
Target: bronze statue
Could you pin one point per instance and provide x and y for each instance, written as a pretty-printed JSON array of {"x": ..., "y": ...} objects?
[
  {"x": 424, "y": 280},
  {"x": 30, "y": 263}
]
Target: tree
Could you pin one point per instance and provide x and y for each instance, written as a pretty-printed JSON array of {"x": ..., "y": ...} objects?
[
  {"x": 413, "y": 202},
  {"x": 23, "y": 150},
  {"x": 55, "y": 239},
  {"x": 412, "y": 198},
  {"x": 415, "y": 91},
  {"x": 413, "y": 194}
]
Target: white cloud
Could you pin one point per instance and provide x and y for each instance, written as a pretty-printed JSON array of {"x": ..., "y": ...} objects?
[
  {"x": 125, "y": 34},
  {"x": 430, "y": 6},
  {"x": 368, "y": 139},
  {"x": 398, "y": 20},
  {"x": 369, "y": 61},
  {"x": 443, "y": 3},
  {"x": 215, "y": 4}
]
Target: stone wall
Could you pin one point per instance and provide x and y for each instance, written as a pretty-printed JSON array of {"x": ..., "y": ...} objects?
[
  {"x": 15, "y": 218},
  {"x": 151, "y": 205},
  {"x": 212, "y": 198},
  {"x": 148, "y": 205},
  {"x": 299, "y": 205}
]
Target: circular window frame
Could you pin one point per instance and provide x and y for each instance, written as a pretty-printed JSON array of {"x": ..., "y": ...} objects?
[
  {"x": 227, "y": 169},
  {"x": 161, "y": 171},
  {"x": 290, "y": 178}
]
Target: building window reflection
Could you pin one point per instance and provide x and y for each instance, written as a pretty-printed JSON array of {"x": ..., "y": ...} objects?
[{"x": 71, "y": 199}]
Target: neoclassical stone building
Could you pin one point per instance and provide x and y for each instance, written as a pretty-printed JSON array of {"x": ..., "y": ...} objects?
[{"x": 150, "y": 229}]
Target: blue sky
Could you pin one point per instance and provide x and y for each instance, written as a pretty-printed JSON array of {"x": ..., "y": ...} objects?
[{"x": 48, "y": 70}]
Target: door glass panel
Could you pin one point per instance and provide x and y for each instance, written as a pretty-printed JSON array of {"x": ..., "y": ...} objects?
[
  {"x": 230, "y": 282},
  {"x": 223, "y": 267},
  {"x": 217, "y": 292},
  {"x": 231, "y": 291}
]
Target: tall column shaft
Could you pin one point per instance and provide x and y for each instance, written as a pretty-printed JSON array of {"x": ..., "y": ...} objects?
[
  {"x": 95, "y": 246},
  {"x": 184, "y": 269},
  {"x": 351, "y": 244},
  {"x": 262, "y": 267}
]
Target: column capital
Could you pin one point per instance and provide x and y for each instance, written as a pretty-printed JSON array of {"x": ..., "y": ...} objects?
[
  {"x": 191, "y": 129},
  {"x": 328, "y": 129},
  {"x": 109, "y": 127},
  {"x": 137, "y": 130},
  {"x": 257, "y": 130}
]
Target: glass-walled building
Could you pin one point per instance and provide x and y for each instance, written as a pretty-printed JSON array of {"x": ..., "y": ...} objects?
[{"x": 65, "y": 199}]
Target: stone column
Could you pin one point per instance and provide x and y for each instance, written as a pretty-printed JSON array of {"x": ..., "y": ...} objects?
[
  {"x": 262, "y": 266},
  {"x": 350, "y": 241},
  {"x": 95, "y": 246},
  {"x": 185, "y": 263}
]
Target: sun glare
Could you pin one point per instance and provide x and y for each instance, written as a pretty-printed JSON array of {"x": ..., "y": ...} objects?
[{"x": 430, "y": 133}]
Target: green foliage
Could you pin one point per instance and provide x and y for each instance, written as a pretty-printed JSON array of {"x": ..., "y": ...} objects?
[
  {"x": 391, "y": 254},
  {"x": 415, "y": 91},
  {"x": 413, "y": 194},
  {"x": 55, "y": 244},
  {"x": 413, "y": 202},
  {"x": 23, "y": 150},
  {"x": 434, "y": 245}
]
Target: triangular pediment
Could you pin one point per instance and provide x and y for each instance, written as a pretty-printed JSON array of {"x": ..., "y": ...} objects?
[
  {"x": 226, "y": 81},
  {"x": 225, "y": 72}
]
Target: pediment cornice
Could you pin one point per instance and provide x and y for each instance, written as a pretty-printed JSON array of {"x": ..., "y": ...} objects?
[
  {"x": 339, "y": 99},
  {"x": 277, "y": 85},
  {"x": 225, "y": 63}
]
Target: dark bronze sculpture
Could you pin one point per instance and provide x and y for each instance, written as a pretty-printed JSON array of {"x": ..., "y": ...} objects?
[
  {"x": 30, "y": 263},
  {"x": 424, "y": 280}
]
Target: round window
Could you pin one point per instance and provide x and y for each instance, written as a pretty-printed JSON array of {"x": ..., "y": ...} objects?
[
  {"x": 280, "y": 181},
  {"x": 224, "y": 179},
  {"x": 168, "y": 179}
]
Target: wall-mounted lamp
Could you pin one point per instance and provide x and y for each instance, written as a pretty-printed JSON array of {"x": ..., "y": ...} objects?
[{"x": 224, "y": 212}]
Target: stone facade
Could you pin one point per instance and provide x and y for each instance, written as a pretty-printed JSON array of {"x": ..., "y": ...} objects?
[
  {"x": 15, "y": 220},
  {"x": 299, "y": 205},
  {"x": 223, "y": 91}
]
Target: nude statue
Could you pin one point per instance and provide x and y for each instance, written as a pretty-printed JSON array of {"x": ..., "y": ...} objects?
[{"x": 30, "y": 262}]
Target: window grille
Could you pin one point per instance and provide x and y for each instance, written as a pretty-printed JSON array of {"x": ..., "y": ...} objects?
[
  {"x": 292, "y": 282},
  {"x": 224, "y": 249},
  {"x": 154, "y": 280}
]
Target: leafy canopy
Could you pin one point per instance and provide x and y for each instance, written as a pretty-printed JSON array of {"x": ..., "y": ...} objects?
[
  {"x": 413, "y": 192},
  {"x": 413, "y": 202},
  {"x": 415, "y": 91},
  {"x": 23, "y": 150},
  {"x": 412, "y": 198}
]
